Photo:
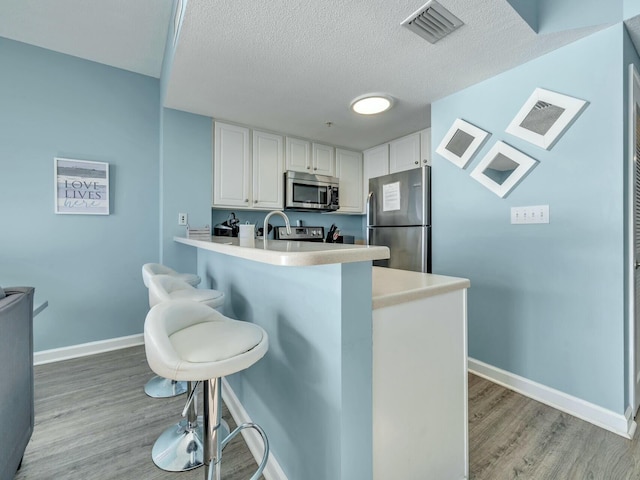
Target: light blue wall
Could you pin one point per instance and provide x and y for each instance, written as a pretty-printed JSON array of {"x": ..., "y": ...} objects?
[
  {"x": 528, "y": 10},
  {"x": 86, "y": 266},
  {"x": 631, "y": 8},
  {"x": 546, "y": 301},
  {"x": 630, "y": 57},
  {"x": 558, "y": 15},
  {"x": 186, "y": 182},
  {"x": 312, "y": 390},
  {"x": 547, "y": 16}
]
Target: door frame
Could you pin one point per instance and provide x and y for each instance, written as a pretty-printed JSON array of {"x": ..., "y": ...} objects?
[{"x": 634, "y": 79}]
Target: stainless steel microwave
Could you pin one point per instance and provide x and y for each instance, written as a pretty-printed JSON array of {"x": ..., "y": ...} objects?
[{"x": 304, "y": 191}]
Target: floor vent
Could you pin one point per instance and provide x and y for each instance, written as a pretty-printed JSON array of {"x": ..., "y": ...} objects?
[{"x": 432, "y": 22}]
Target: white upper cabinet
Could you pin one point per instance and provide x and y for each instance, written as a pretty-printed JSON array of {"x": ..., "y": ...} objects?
[
  {"x": 245, "y": 177},
  {"x": 231, "y": 166},
  {"x": 349, "y": 171},
  {"x": 323, "y": 159},
  {"x": 425, "y": 146},
  {"x": 304, "y": 156},
  {"x": 376, "y": 164},
  {"x": 268, "y": 170},
  {"x": 298, "y": 155},
  {"x": 249, "y": 166},
  {"x": 376, "y": 161},
  {"x": 404, "y": 153}
]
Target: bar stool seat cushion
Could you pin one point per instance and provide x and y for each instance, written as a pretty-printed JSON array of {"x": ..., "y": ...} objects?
[
  {"x": 194, "y": 343},
  {"x": 167, "y": 287},
  {"x": 185, "y": 340},
  {"x": 198, "y": 295},
  {"x": 151, "y": 269}
]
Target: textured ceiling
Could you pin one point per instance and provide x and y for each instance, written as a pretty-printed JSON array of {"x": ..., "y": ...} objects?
[
  {"x": 127, "y": 34},
  {"x": 633, "y": 26},
  {"x": 291, "y": 66}
]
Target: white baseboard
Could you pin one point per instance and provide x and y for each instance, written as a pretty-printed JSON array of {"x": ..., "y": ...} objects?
[
  {"x": 622, "y": 425},
  {"x": 272, "y": 471},
  {"x": 85, "y": 349}
]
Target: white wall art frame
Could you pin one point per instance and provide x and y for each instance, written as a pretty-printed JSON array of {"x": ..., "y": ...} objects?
[
  {"x": 81, "y": 187},
  {"x": 502, "y": 168},
  {"x": 544, "y": 117},
  {"x": 461, "y": 143}
]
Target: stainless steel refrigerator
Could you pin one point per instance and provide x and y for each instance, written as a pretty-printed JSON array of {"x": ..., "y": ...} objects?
[{"x": 399, "y": 217}]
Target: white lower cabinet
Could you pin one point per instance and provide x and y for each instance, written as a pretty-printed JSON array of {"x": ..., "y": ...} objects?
[
  {"x": 420, "y": 389},
  {"x": 245, "y": 177},
  {"x": 349, "y": 171}
]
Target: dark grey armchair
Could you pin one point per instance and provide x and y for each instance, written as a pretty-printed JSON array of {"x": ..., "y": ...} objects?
[{"x": 16, "y": 377}]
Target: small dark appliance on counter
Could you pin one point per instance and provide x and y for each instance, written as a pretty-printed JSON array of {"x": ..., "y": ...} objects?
[{"x": 228, "y": 228}]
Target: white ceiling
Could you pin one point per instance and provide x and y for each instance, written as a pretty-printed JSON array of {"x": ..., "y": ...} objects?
[
  {"x": 291, "y": 66},
  {"x": 127, "y": 34}
]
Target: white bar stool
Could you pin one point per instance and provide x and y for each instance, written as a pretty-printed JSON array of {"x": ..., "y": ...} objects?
[
  {"x": 159, "y": 387},
  {"x": 151, "y": 269},
  {"x": 185, "y": 340},
  {"x": 179, "y": 448},
  {"x": 167, "y": 287}
]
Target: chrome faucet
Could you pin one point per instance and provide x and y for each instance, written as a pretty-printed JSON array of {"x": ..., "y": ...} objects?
[{"x": 265, "y": 232}]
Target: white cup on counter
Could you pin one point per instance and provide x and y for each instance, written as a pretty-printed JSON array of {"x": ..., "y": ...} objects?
[
  {"x": 247, "y": 242},
  {"x": 247, "y": 230}
]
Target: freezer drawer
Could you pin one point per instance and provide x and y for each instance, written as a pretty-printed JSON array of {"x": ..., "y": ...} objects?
[{"x": 410, "y": 247}]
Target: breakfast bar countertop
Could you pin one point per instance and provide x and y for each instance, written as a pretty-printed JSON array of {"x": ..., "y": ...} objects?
[
  {"x": 288, "y": 253},
  {"x": 392, "y": 287}
]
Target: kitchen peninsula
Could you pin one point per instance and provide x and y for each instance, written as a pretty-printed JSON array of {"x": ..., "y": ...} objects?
[{"x": 312, "y": 392}]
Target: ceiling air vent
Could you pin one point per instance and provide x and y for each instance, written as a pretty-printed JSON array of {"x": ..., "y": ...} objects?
[{"x": 432, "y": 22}]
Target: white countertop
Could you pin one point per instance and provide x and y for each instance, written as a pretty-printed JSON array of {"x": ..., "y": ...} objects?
[
  {"x": 391, "y": 286},
  {"x": 287, "y": 253}
]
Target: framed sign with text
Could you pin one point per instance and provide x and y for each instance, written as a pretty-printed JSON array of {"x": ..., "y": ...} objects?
[{"x": 81, "y": 187}]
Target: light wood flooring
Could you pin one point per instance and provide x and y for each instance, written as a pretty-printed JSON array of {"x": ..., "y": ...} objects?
[{"x": 94, "y": 422}]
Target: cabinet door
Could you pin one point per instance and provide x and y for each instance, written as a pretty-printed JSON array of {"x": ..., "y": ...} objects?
[
  {"x": 298, "y": 155},
  {"x": 376, "y": 164},
  {"x": 323, "y": 159},
  {"x": 349, "y": 171},
  {"x": 231, "y": 166},
  {"x": 404, "y": 153},
  {"x": 268, "y": 170},
  {"x": 425, "y": 146}
]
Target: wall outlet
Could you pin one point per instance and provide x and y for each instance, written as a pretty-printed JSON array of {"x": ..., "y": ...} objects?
[
  {"x": 182, "y": 219},
  {"x": 532, "y": 214}
]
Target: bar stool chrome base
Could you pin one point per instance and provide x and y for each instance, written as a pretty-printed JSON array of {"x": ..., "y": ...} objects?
[
  {"x": 216, "y": 438},
  {"x": 180, "y": 448},
  {"x": 159, "y": 387}
]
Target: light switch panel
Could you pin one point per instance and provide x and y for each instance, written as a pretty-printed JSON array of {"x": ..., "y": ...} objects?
[{"x": 531, "y": 214}]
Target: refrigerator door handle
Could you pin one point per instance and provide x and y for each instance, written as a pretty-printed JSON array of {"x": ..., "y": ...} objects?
[{"x": 369, "y": 214}]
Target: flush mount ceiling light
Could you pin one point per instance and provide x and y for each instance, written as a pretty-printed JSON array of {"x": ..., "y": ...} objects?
[{"x": 371, "y": 103}]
